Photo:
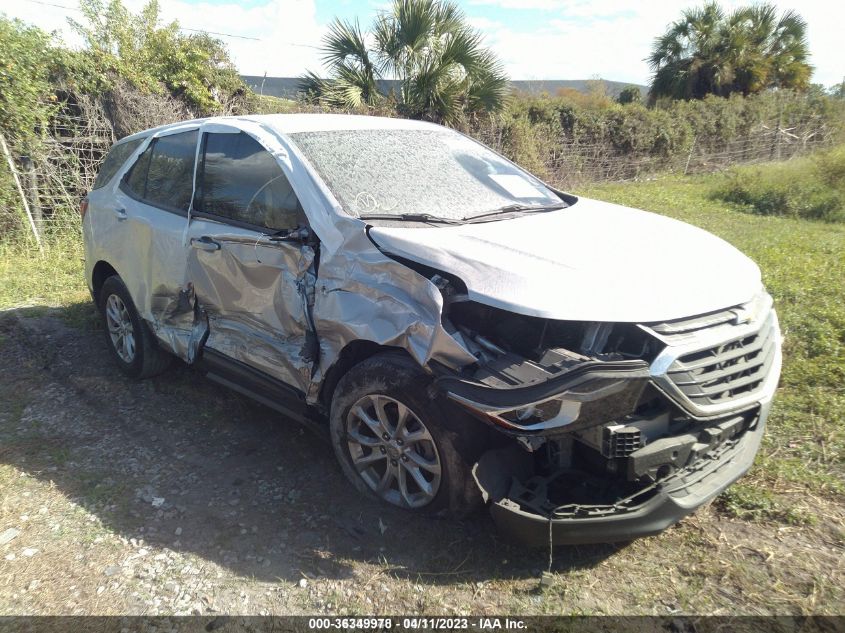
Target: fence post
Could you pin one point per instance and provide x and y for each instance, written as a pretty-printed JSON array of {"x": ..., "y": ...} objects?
[
  {"x": 689, "y": 158},
  {"x": 32, "y": 185},
  {"x": 20, "y": 191}
]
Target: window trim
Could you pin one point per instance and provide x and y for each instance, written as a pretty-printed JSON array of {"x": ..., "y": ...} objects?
[
  {"x": 124, "y": 187},
  {"x": 223, "y": 219},
  {"x": 122, "y": 165}
]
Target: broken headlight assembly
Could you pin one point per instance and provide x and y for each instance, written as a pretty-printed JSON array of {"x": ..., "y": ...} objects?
[
  {"x": 550, "y": 414},
  {"x": 583, "y": 396}
]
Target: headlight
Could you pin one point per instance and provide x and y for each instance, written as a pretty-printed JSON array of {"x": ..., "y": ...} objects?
[{"x": 543, "y": 415}]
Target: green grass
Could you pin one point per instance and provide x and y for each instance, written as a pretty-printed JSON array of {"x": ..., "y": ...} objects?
[
  {"x": 803, "y": 264},
  {"x": 811, "y": 187},
  {"x": 28, "y": 278}
]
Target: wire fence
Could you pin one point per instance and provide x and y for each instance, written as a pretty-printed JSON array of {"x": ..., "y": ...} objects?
[
  {"x": 54, "y": 179},
  {"x": 571, "y": 163}
]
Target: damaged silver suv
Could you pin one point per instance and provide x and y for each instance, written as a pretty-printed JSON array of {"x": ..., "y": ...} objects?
[{"x": 464, "y": 333}]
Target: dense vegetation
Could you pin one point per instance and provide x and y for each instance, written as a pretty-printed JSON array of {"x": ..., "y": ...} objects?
[
  {"x": 60, "y": 109},
  {"x": 63, "y": 108},
  {"x": 571, "y": 139},
  {"x": 154, "y": 57},
  {"x": 810, "y": 187},
  {"x": 709, "y": 51},
  {"x": 444, "y": 71}
]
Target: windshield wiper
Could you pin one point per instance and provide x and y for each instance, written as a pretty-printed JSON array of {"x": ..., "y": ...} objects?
[
  {"x": 516, "y": 208},
  {"x": 410, "y": 217}
]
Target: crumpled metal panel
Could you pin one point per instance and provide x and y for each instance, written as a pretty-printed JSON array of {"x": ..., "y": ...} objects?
[
  {"x": 362, "y": 294},
  {"x": 255, "y": 296},
  {"x": 177, "y": 322}
]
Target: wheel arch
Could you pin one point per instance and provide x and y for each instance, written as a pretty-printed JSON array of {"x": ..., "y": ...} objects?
[
  {"x": 102, "y": 270},
  {"x": 353, "y": 353}
]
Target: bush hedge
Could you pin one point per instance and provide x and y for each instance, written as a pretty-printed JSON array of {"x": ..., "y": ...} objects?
[
  {"x": 811, "y": 187},
  {"x": 567, "y": 142}
]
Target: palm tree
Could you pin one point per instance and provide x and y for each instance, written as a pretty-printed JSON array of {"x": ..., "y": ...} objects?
[
  {"x": 710, "y": 52},
  {"x": 687, "y": 60},
  {"x": 443, "y": 71}
]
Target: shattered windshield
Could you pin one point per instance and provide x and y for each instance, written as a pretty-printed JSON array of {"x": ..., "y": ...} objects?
[{"x": 435, "y": 173}]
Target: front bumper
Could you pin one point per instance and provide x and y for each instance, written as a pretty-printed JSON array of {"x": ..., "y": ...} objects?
[{"x": 665, "y": 504}]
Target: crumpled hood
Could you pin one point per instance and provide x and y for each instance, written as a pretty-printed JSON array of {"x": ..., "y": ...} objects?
[{"x": 593, "y": 261}]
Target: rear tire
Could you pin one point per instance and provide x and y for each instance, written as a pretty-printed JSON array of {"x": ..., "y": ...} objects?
[
  {"x": 398, "y": 443},
  {"x": 130, "y": 341}
]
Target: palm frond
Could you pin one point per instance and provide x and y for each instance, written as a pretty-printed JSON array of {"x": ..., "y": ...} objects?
[
  {"x": 443, "y": 67},
  {"x": 311, "y": 86},
  {"x": 343, "y": 41}
]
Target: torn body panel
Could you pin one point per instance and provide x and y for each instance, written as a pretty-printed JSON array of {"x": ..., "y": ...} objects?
[
  {"x": 255, "y": 295},
  {"x": 363, "y": 295},
  {"x": 179, "y": 323}
]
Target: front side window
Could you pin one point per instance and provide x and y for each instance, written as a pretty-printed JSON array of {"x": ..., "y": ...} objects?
[
  {"x": 114, "y": 160},
  {"x": 436, "y": 172},
  {"x": 240, "y": 180},
  {"x": 163, "y": 175}
]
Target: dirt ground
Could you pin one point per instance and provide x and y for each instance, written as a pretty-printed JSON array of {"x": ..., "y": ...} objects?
[{"x": 176, "y": 496}]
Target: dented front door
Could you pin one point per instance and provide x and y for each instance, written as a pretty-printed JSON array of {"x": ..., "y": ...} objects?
[{"x": 252, "y": 288}]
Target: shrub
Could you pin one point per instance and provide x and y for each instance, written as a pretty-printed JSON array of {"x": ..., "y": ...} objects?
[{"x": 812, "y": 188}]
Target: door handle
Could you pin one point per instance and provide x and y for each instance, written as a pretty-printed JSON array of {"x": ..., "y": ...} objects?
[
  {"x": 120, "y": 213},
  {"x": 205, "y": 243}
]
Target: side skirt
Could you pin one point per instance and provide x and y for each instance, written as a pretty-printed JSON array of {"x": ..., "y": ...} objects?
[{"x": 262, "y": 388}]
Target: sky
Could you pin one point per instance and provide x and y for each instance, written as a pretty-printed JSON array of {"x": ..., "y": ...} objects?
[{"x": 536, "y": 39}]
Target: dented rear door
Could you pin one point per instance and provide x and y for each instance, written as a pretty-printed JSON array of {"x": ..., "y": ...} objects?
[
  {"x": 251, "y": 286},
  {"x": 141, "y": 233}
]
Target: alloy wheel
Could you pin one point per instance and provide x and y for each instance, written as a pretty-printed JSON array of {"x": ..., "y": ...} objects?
[
  {"x": 121, "y": 331},
  {"x": 393, "y": 451}
]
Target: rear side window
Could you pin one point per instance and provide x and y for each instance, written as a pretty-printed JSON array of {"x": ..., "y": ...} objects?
[
  {"x": 163, "y": 174},
  {"x": 171, "y": 173},
  {"x": 136, "y": 179},
  {"x": 240, "y": 180},
  {"x": 114, "y": 160}
]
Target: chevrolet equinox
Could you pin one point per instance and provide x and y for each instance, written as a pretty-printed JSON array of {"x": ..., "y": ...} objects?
[{"x": 462, "y": 332}]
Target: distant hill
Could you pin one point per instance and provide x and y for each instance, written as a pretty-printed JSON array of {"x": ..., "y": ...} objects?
[
  {"x": 539, "y": 86},
  {"x": 288, "y": 87}
]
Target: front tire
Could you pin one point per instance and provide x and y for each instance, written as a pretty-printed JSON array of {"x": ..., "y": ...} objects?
[
  {"x": 130, "y": 341},
  {"x": 396, "y": 443}
]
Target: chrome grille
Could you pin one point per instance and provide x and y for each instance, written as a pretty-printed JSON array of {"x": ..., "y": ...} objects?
[
  {"x": 725, "y": 372},
  {"x": 716, "y": 362}
]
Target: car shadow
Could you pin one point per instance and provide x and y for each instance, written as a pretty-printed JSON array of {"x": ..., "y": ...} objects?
[{"x": 187, "y": 465}]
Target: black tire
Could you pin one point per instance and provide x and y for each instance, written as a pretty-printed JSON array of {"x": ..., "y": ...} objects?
[
  {"x": 458, "y": 438},
  {"x": 148, "y": 358}
]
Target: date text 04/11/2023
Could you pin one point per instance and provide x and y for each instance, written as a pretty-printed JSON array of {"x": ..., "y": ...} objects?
[{"x": 417, "y": 623}]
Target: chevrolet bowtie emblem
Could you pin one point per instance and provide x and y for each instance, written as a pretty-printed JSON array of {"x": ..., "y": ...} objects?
[{"x": 745, "y": 314}]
